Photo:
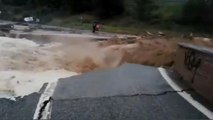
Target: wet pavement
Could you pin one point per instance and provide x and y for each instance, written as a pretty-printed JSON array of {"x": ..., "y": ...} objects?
[
  {"x": 21, "y": 109},
  {"x": 129, "y": 92},
  {"x": 142, "y": 107},
  {"x": 129, "y": 79}
]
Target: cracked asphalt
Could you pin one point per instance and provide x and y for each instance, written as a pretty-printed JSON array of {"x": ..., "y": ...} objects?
[
  {"x": 127, "y": 79},
  {"x": 163, "y": 107},
  {"x": 129, "y": 92}
]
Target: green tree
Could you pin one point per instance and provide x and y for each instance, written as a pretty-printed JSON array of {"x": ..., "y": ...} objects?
[
  {"x": 109, "y": 8},
  {"x": 80, "y": 6},
  {"x": 198, "y": 12},
  {"x": 144, "y": 9},
  {"x": 15, "y": 2}
]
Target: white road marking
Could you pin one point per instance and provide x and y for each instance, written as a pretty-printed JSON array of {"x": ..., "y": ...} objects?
[
  {"x": 44, "y": 97},
  {"x": 185, "y": 95}
]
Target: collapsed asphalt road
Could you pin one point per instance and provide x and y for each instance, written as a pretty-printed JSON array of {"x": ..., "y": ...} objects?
[
  {"x": 21, "y": 109},
  {"x": 129, "y": 92}
]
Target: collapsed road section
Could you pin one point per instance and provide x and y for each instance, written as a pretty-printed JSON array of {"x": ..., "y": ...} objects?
[{"x": 129, "y": 92}]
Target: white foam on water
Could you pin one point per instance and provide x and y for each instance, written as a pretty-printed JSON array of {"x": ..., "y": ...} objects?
[
  {"x": 21, "y": 83},
  {"x": 23, "y": 54},
  {"x": 26, "y": 66}
]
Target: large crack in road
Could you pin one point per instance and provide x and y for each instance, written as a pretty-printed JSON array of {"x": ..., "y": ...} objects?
[{"x": 42, "y": 109}]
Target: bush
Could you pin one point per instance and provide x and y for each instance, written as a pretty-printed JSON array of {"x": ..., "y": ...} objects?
[
  {"x": 109, "y": 8},
  {"x": 15, "y": 2},
  {"x": 80, "y": 6},
  {"x": 168, "y": 13},
  {"x": 144, "y": 9}
]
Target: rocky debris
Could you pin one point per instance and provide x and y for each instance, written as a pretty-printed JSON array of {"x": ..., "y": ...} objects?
[
  {"x": 149, "y": 33},
  {"x": 202, "y": 41},
  {"x": 188, "y": 36},
  {"x": 202, "y": 38},
  {"x": 161, "y": 33},
  {"x": 118, "y": 41}
]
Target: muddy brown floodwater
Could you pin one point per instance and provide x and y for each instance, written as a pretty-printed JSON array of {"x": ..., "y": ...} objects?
[
  {"x": 26, "y": 64},
  {"x": 157, "y": 51},
  {"x": 80, "y": 53}
]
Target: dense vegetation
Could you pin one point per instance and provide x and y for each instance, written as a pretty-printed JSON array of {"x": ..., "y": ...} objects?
[
  {"x": 192, "y": 12},
  {"x": 198, "y": 12},
  {"x": 102, "y": 8}
]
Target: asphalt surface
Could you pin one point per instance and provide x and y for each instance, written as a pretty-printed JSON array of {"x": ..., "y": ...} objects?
[
  {"x": 125, "y": 80},
  {"x": 21, "y": 109},
  {"x": 163, "y": 107},
  {"x": 129, "y": 92}
]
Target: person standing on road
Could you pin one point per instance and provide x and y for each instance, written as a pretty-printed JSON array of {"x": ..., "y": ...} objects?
[{"x": 94, "y": 27}]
